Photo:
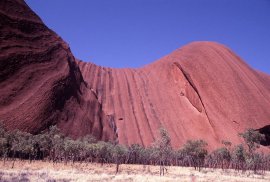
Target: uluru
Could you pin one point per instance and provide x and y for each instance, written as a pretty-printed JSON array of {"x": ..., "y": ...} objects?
[{"x": 200, "y": 91}]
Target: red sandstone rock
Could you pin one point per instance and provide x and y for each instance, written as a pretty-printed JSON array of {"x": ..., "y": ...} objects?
[
  {"x": 200, "y": 91},
  {"x": 40, "y": 81}
]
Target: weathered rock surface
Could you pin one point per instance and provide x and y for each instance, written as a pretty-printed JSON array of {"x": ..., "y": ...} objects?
[
  {"x": 40, "y": 81},
  {"x": 200, "y": 91}
]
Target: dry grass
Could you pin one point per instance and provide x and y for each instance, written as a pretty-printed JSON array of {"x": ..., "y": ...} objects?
[{"x": 43, "y": 171}]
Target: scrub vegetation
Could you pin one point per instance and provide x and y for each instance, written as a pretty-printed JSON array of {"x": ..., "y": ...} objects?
[{"x": 52, "y": 146}]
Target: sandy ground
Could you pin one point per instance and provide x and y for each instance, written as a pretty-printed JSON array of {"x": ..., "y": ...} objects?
[{"x": 39, "y": 171}]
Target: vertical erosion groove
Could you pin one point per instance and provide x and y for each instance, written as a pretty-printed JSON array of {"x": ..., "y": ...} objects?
[
  {"x": 121, "y": 108},
  {"x": 133, "y": 108},
  {"x": 142, "y": 105}
]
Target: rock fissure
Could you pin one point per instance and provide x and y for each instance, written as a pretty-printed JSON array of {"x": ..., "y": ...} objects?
[{"x": 190, "y": 81}]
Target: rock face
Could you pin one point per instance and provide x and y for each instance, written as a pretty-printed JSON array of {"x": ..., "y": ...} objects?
[
  {"x": 40, "y": 81},
  {"x": 200, "y": 91}
]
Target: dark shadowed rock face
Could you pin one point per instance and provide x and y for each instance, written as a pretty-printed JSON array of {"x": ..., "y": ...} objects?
[
  {"x": 201, "y": 91},
  {"x": 40, "y": 81}
]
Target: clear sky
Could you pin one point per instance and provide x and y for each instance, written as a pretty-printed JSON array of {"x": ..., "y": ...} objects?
[{"x": 133, "y": 33}]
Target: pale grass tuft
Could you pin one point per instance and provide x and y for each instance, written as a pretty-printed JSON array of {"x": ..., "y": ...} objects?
[{"x": 48, "y": 172}]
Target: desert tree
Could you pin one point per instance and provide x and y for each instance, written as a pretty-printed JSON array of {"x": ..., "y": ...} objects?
[
  {"x": 45, "y": 145},
  {"x": 90, "y": 152},
  {"x": 3, "y": 147},
  {"x": 69, "y": 150},
  {"x": 87, "y": 147},
  {"x": 219, "y": 158},
  {"x": 151, "y": 155},
  {"x": 3, "y": 142},
  {"x": 57, "y": 147},
  {"x": 194, "y": 151},
  {"x": 252, "y": 139},
  {"x": 239, "y": 157},
  {"x": 53, "y": 143},
  {"x": 103, "y": 152},
  {"x": 88, "y": 139},
  {"x": 119, "y": 154},
  {"x": 22, "y": 145},
  {"x": 163, "y": 148},
  {"x": 255, "y": 163},
  {"x": 135, "y": 152}
]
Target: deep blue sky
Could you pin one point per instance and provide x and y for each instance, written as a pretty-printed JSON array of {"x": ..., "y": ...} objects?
[{"x": 132, "y": 33}]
